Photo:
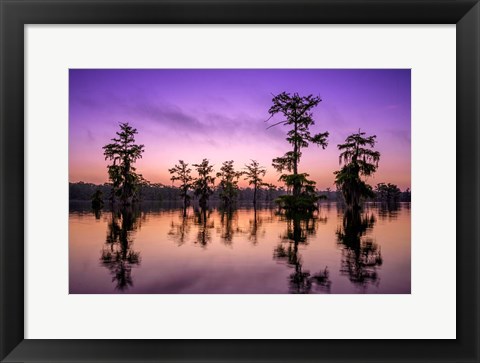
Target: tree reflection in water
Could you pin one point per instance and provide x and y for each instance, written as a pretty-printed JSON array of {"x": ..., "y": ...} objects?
[
  {"x": 97, "y": 213},
  {"x": 360, "y": 254},
  {"x": 388, "y": 211},
  {"x": 286, "y": 253},
  {"x": 299, "y": 229},
  {"x": 117, "y": 254},
  {"x": 256, "y": 229},
  {"x": 228, "y": 225},
  {"x": 180, "y": 231},
  {"x": 205, "y": 225}
]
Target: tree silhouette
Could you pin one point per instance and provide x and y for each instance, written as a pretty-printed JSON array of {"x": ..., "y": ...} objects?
[
  {"x": 297, "y": 112},
  {"x": 228, "y": 184},
  {"x": 97, "y": 200},
  {"x": 359, "y": 160},
  {"x": 388, "y": 193},
  {"x": 181, "y": 172},
  {"x": 124, "y": 153},
  {"x": 203, "y": 185},
  {"x": 254, "y": 173}
]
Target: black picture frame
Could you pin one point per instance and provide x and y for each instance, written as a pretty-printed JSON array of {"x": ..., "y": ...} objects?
[{"x": 15, "y": 14}]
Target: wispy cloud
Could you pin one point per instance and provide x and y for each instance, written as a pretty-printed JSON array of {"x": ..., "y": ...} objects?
[
  {"x": 392, "y": 107},
  {"x": 167, "y": 115},
  {"x": 90, "y": 136}
]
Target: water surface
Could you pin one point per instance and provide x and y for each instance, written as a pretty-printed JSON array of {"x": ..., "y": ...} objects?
[{"x": 156, "y": 250}]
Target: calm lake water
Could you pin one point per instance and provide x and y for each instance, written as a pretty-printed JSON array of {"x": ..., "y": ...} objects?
[{"x": 155, "y": 250}]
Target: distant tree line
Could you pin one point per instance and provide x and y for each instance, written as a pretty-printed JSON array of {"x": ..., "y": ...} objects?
[
  {"x": 82, "y": 191},
  {"x": 160, "y": 192}
]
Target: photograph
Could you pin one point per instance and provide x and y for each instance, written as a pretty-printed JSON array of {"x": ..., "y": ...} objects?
[
  {"x": 216, "y": 165},
  {"x": 239, "y": 181}
]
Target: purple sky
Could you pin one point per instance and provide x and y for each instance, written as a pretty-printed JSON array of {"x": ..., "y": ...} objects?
[{"x": 219, "y": 114}]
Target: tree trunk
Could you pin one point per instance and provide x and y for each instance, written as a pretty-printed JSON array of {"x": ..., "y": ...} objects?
[{"x": 296, "y": 185}]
